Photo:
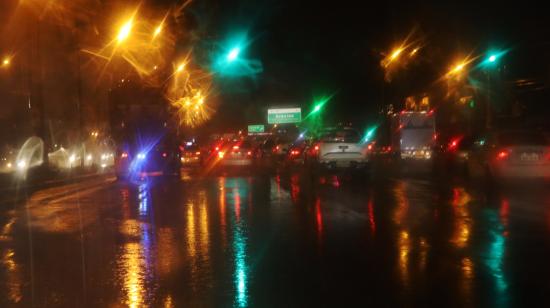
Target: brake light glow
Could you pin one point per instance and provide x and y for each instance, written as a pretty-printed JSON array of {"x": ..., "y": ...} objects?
[
  {"x": 221, "y": 154},
  {"x": 503, "y": 154},
  {"x": 453, "y": 145},
  {"x": 294, "y": 152},
  {"x": 316, "y": 148},
  {"x": 164, "y": 154},
  {"x": 235, "y": 147},
  {"x": 369, "y": 147},
  {"x": 124, "y": 155},
  {"x": 217, "y": 148},
  {"x": 197, "y": 153},
  {"x": 249, "y": 153}
]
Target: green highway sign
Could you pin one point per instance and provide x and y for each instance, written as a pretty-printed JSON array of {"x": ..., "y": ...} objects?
[
  {"x": 284, "y": 115},
  {"x": 256, "y": 129}
]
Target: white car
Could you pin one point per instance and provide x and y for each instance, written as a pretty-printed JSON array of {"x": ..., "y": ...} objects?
[
  {"x": 511, "y": 154},
  {"x": 342, "y": 148}
]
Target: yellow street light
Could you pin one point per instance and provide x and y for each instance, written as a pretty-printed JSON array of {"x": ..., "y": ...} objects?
[
  {"x": 125, "y": 30},
  {"x": 396, "y": 54},
  {"x": 158, "y": 30},
  {"x": 180, "y": 68},
  {"x": 6, "y": 61},
  {"x": 457, "y": 68}
]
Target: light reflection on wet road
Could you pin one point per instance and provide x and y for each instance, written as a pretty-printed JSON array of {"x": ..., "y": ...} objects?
[{"x": 276, "y": 240}]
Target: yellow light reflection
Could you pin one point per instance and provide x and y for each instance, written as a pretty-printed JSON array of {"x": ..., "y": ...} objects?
[
  {"x": 402, "y": 203},
  {"x": 467, "y": 269},
  {"x": 463, "y": 221},
  {"x": 203, "y": 222},
  {"x": 133, "y": 265},
  {"x": 404, "y": 246},
  {"x": 191, "y": 231},
  {"x": 13, "y": 277}
]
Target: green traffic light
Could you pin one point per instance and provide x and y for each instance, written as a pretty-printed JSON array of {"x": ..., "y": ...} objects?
[
  {"x": 317, "y": 108},
  {"x": 370, "y": 134},
  {"x": 233, "y": 54}
]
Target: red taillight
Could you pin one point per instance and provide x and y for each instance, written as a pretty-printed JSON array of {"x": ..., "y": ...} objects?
[
  {"x": 369, "y": 147},
  {"x": 503, "y": 154},
  {"x": 235, "y": 147},
  {"x": 453, "y": 144},
  {"x": 217, "y": 148},
  {"x": 124, "y": 155},
  {"x": 249, "y": 153},
  {"x": 316, "y": 148},
  {"x": 294, "y": 152},
  {"x": 164, "y": 154},
  {"x": 197, "y": 153}
]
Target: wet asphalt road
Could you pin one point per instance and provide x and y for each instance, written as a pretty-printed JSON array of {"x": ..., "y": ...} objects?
[{"x": 280, "y": 239}]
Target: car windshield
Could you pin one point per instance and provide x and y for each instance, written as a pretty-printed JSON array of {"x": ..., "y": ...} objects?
[
  {"x": 348, "y": 136},
  {"x": 522, "y": 138}
]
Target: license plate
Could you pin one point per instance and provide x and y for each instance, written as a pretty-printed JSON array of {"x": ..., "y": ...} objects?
[
  {"x": 343, "y": 147},
  {"x": 529, "y": 157}
]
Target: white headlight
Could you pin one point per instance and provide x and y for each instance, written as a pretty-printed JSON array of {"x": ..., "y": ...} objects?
[{"x": 21, "y": 165}]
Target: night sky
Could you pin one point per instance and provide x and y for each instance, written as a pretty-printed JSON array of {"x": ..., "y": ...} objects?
[
  {"x": 311, "y": 49},
  {"x": 307, "y": 50}
]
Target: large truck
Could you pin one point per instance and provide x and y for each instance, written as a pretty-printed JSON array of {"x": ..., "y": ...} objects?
[
  {"x": 413, "y": 134},
  {"x": 144, "y": 132}
]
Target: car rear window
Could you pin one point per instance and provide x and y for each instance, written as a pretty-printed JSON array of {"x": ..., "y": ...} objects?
[
  {"x": 522, "y": 138},
  {"x": 348, "y": 136}
]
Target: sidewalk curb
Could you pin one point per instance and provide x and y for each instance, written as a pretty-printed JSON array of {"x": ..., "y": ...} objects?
[{"x": 32, "y": 187}]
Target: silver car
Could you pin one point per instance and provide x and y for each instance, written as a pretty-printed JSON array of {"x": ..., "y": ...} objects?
[
  {"x": 342, "y": 148},
  {"x": 511, "y": 154}
]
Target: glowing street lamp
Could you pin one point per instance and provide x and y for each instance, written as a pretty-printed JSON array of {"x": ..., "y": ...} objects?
[
  {"x": 125, "y": 31},
  {"x": 180, "y": 68},
  {"x": 395, "y": 54},
  {"x": 158, "y": 30},
  {"x": 233, "y": 54},
  {"x": 6, "y": 61},
  {"x": 457, "y": 68}
]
